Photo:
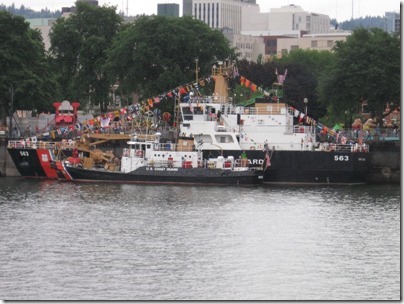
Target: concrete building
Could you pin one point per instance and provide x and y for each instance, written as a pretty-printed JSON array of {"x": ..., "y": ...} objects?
[
  {"x": 393, "y": 22},
  {"x": 187, "y": 7},
  {"x": 294, "y": 18},
  {"x": 248, "y": 47},
  {"x": 320, "y": 42},
  {"x": 289, "y": 20},
  {"x": 44, "y": 25},
  {"x": 250, "y": 31},
  {"x": 168, "y": 9},
  {"x": 66, "y": 11},
  {"x": 219, "y": 14}
]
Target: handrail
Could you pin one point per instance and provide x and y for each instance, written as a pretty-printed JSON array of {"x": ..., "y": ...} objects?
[{"x": 40, "y": 144}]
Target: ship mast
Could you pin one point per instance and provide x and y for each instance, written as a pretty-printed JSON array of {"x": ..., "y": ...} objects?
[{"x": 177, "y": 117}]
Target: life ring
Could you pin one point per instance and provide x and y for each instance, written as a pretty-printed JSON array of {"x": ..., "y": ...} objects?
[{"x": 252, "y": 148}]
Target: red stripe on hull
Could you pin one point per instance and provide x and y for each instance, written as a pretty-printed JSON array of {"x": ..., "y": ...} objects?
[
  {"x": 45, "y": 159},
  {"x": 61, "y": 168}
]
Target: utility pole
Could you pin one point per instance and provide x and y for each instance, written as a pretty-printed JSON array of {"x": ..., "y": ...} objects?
[{"x": 196, "y": 69}]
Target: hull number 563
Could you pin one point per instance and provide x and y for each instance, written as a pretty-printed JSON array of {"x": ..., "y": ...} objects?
[{"x": 341, "y": 157}]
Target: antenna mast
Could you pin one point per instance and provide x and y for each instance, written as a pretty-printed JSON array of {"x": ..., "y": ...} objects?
[{"x": 352, "y": 10}]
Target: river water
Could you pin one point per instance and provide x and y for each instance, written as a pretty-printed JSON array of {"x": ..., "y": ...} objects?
[{"x": 66, "y": 241}]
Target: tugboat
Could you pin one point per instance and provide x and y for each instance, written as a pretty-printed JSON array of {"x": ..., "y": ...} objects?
[{"x": 147, "y": 161}]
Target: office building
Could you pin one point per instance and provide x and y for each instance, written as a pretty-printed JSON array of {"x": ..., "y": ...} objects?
[
  {"x": 393, "y": 22},
  {"x": 219, "y": 14},
  {"x": 168, "y": 9}
]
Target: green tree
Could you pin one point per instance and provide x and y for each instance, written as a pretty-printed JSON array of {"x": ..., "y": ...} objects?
[
  {"x": 24, "y": 67},
  {"x": 79, "y": 47},
  {"x": 305, "y": 67},
  {"x": 158, "y": 53},
  {"x": 301, "y": 80},
  {"x": 262, "y": 75},
  {"x": 366, "y": 67},
  {"x": 315, "y": 60}
]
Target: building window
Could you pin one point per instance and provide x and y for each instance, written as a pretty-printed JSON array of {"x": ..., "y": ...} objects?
[
  {"x": 208, "y": 17},
  {"x": 314, "y": 43},
  {"x": 294, "y": 47},
  {"x": 217, "y": 15},
  {"x": 330, "y": 43}
]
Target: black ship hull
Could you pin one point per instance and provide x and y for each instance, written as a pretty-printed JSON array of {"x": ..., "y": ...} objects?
[
  {"x": 162, "y": 175},
  {"x": 33, "y": 163},
  {"x": 287, "y": 167},
  {"x": 307, "y": 167}
]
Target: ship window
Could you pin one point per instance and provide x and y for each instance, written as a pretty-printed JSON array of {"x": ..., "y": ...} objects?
[
  {"x": 224, "y": 139},
  {"x": 205, "y": 138},
  {"x": 198, "y": 110},
  {"x": 188, "y": 115},
  {"x": 186, "y": 110}
]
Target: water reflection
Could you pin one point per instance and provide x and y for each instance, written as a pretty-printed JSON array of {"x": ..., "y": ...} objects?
[{"x": 134, "y": 242}]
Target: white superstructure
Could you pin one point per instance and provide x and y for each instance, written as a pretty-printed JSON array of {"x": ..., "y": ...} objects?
[{"x": 224, "y": 126}]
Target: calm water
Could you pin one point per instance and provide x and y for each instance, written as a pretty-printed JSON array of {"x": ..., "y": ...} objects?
[{"x": 64, "y": 241}]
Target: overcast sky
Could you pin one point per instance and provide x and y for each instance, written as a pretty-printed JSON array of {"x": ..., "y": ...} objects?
[{"x": 340, "y": 9}]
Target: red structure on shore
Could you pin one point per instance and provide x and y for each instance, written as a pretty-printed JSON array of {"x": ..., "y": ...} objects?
[{"x": 65, "y": 112}]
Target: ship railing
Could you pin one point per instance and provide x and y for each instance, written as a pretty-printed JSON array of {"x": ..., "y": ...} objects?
[
  {"x": 265, "y": 109},
  {"x": 23, "y": 144},
  {"x": 302, "y": 129},
  {"x": 168, "y": 163},
  {"x": 373, "y": 134},
  {"x": 209, "y": 99},
  {"x": 345, "y": 148},
  {"x": 173, "y": 147},
  {"x": 226, "y": 164}
]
